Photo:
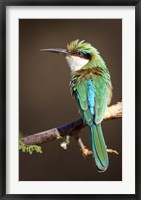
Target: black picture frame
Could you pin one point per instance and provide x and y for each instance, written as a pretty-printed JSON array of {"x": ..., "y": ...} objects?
[{"x": 3, "y": 5}]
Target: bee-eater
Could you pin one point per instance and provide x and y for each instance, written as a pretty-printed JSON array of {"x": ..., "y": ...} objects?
[{"x": 92, "y": 90}]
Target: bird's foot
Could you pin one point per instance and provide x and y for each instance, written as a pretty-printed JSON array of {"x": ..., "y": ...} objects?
[
  {"x": 65, "y": 142},
  {"x": 112, "y": 151},
  {"x": 86, "y": 152}
]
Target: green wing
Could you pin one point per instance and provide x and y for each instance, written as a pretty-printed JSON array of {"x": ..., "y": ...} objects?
[
  {"x": 99, "y": 91},
  {"x": 81, "y": 96},
  {"x": 101, "y": 98}
]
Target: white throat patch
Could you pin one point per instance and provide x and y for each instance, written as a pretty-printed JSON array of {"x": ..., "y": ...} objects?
[{"x": 76, "y": 62}]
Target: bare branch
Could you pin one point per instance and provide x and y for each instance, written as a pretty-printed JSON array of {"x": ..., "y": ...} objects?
[{"x": 113, "y": 112}]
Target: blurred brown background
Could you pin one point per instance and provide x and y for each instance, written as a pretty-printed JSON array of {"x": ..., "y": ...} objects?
[{"x": 45, "y": 100}]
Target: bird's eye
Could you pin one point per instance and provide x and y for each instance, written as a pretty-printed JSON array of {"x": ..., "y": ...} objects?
[{"x": 79, "y": 54}]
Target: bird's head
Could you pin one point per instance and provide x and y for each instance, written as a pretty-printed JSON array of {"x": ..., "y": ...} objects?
[{"x": 78, "y": 53}]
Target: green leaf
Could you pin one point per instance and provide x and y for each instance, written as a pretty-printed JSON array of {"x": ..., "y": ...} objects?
[{"x": 29, "y": 148}]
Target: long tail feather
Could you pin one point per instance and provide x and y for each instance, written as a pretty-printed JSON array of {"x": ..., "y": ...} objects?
[{"x": 99, "y": 148}]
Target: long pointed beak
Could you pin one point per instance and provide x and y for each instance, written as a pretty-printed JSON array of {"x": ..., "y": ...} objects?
[{"x": 56, "y": 50}]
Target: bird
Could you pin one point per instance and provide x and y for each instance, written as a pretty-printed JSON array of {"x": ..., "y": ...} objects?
[{"x": 92, "y": 90}]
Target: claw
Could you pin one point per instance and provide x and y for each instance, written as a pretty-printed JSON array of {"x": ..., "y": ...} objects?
[{"x": 86, "y": 152}]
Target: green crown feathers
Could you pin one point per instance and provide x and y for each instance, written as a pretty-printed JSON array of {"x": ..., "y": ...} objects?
[{"x": 78, "y": 45}]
